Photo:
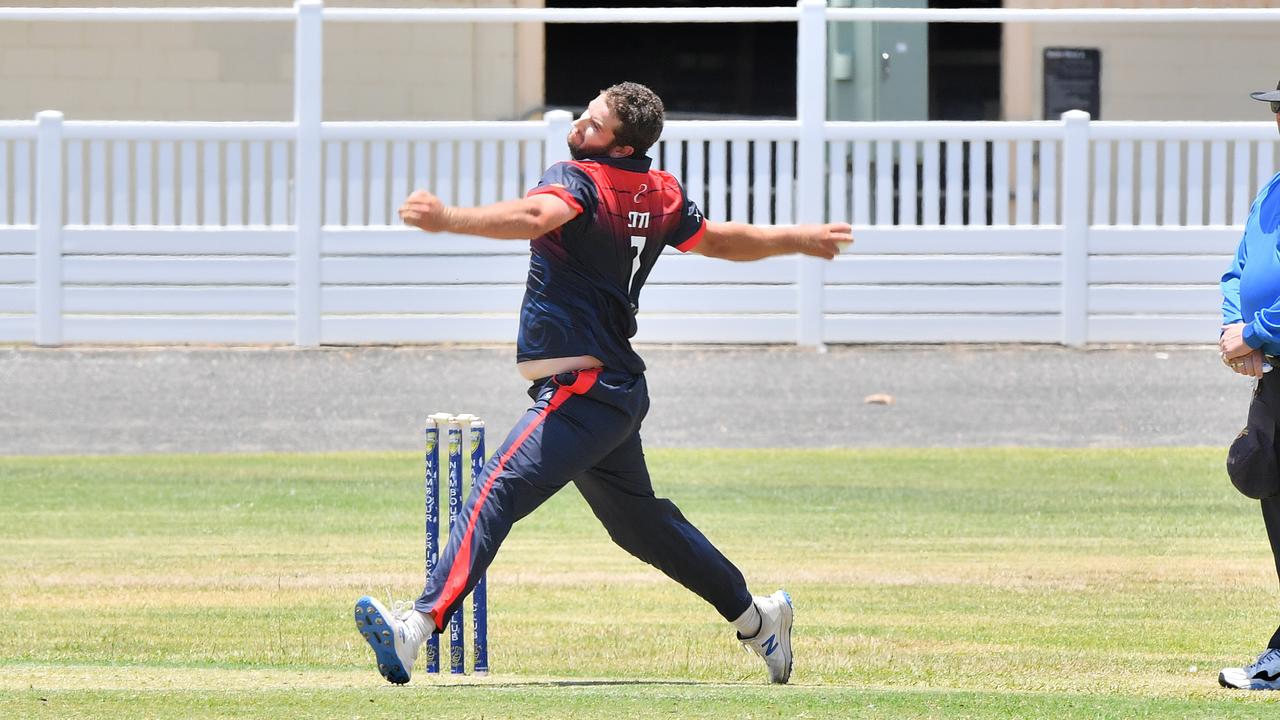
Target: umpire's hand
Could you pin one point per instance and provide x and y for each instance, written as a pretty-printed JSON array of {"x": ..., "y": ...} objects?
[
  {"x": 1250, "y": 364},
  {"x": 1237, "y": 355},
  {"x": 1231, "y": 343}
]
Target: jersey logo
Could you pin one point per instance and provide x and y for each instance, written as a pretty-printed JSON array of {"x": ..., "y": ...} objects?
[{"x": 644, "y": 188}]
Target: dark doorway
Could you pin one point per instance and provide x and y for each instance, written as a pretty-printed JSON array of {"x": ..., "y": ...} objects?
[
  {"x": 964, "y": 66},
  {"x": 701, "y": 70}
]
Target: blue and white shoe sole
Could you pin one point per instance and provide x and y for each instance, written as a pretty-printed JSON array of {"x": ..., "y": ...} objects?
[
  {"x": 1248, "y": 683},
  {"x": 785, "y": 640},
  {"x": 377, "y": 632}
]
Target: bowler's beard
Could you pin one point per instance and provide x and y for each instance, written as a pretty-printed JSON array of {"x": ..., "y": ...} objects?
[{"x": 577, "y": 153}]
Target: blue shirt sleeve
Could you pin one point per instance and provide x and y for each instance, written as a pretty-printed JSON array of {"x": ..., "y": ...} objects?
[
  {"x": 1259, "y": 306},
  {"x": 1231, "y": 288}
]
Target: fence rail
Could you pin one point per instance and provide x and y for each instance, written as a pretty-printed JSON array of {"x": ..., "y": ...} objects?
[{"x": 1065, "y": 231}]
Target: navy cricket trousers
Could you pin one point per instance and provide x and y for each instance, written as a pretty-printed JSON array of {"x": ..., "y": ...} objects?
[{"x": 583, "y": 427}]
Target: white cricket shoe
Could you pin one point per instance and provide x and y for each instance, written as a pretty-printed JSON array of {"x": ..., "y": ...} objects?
[
  {"x": 773, "y": 642},
  {"x": 1263, "y": 674},
  {"x": 395, "y": 642}
]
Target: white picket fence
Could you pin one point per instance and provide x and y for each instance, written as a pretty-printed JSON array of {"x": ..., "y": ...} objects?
[
  {"x": 1058, "y": 232},
  {"x": 182, "y": 232}
]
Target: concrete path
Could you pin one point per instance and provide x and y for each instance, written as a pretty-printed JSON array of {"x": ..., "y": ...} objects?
[{"x": 90, "y": 400}]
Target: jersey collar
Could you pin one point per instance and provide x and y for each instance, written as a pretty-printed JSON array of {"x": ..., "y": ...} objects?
[{"x": 630, "y": 164}]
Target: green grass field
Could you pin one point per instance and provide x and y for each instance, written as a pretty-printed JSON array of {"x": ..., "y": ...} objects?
[{"x": 974, "y": 583}]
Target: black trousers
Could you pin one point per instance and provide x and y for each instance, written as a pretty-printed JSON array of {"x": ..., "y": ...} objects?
[
  {"x": 1266, "y": 399},
  {"x": 584, "y": 428},
  {"x": 1271, "y": 516}
]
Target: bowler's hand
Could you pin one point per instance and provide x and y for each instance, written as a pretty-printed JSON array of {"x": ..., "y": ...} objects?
[
  {"x": 825, "y": 241},
  {"x": 1250, "y": 365},
  {"x": 1232, "y": 342},
  {"x": 425, "y": 211}
]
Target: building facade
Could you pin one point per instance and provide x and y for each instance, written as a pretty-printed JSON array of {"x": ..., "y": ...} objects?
[
  {"x": 1149, "y": 71},
  {"x": 464, "y": 71},
  {"x": 244, "y": 71}
]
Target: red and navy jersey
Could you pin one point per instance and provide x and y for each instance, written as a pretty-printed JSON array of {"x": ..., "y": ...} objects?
[{"x": 585, "y": 276}]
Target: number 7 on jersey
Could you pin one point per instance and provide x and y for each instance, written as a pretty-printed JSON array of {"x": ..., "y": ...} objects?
[{"x": 635, "y": 221}]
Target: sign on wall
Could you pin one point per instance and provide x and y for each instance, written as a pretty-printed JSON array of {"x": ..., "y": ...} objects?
[{"x": 1072, "y": 81}]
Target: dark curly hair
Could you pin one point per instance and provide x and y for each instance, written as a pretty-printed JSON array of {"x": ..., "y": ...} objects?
[{"x": 640, "y": 115}]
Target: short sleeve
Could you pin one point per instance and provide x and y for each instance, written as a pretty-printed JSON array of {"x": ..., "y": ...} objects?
[
  {"x": 689, "y": 228},
  {"x": 570, "y": 184}
]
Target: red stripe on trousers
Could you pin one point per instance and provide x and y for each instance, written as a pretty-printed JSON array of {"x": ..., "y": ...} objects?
[{"x": 461, "y": 569}]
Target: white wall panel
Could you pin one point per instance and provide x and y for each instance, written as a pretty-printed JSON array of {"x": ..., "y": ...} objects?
[
  {"x": 178, "y": 329},
  {"x": 1155, "y": 299},
  {"x": 17, "y": 299},
  {"x": 348, "y": 329},
  {"x": 937, "y": 299},
  {"x": 944, "y": 270},
  {"x": 187, "y": 241},
  {"x": 17, "y": 328},
  {"x": 1157, "y": 269},
  {"x": 137, "y": 270},
  {"x": 17, "y": 268},
  {"x": 17, "y": 240},
  {"x": 942, "y": 328},
  {"x": 1201, "y": 329},
  {"x": 230, "y": 300},
  {"x": 944, "y": 240}
]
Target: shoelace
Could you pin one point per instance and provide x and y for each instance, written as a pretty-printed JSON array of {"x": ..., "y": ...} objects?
[
  {"x": 1270, "y": 655},
  {"x": 401, "y": 608}
]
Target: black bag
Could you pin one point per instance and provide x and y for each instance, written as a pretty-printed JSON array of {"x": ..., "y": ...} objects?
[{"x": 1251, "y": 460}]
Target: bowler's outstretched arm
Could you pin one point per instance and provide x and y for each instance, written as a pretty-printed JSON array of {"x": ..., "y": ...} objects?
[
  {"x": 522, "y": 219},
  {"x": 739, "y": 241}
]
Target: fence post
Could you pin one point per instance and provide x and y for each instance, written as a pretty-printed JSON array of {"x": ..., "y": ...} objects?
[
  {"x": 554, "y": 146},
  {"x": 308, "y": 84},
  {"x": 49, "y": 228},
  {"x": 1075, "y": 228},
  {"x": 811, "y": 191}
]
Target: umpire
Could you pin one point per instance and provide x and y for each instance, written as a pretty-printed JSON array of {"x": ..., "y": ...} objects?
[{"x": 1250, "y": 342}]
